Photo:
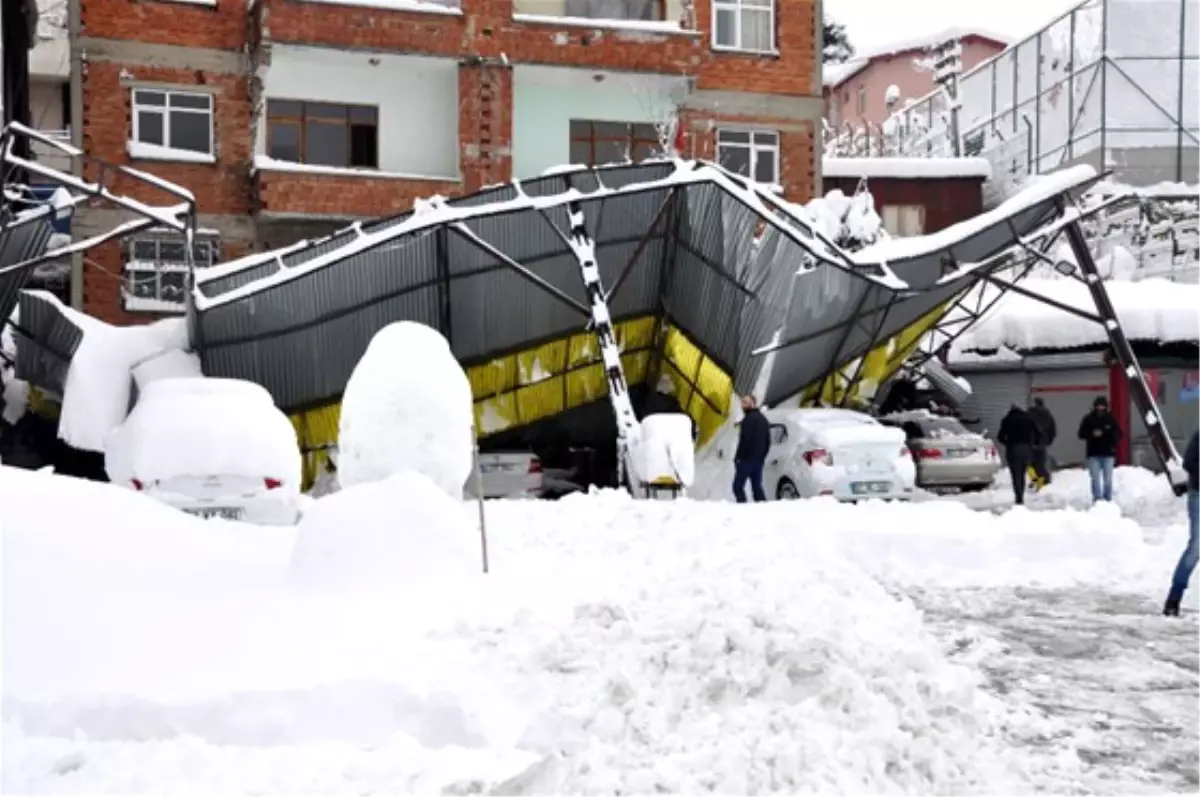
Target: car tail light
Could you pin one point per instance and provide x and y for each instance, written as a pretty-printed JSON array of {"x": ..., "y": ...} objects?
[
  {"x": 137, "y": 484},
  {"x": 818, "y": 455},
  {"x": 535, "y": 465},
  {"x": 991, "y": 452},
  {"x": 272, "y": 484},
  {"x": 906, "y": 452},
  {"x": 929, "y": 453}
]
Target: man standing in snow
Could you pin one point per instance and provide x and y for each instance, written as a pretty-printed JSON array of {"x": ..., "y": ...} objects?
[
  {"x": 754, "y": 441},
  {"x": 1047, "y": 431},
  {"x": 1187, "y": 562},
  {"x": 1100, "y": 432},
  {"x": 1018, "y": 434}
]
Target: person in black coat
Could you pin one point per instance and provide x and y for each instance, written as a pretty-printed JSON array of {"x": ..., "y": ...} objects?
[
  {"x": 1047, "y": 430},
  {"x": 754, "y": 442},
  {"x": 1018, "y": 434},
  {"x": 1100, "y": 432},
  {"x": 1191, "y": 554}
]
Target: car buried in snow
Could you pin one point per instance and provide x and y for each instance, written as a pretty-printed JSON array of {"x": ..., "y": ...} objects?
[{"x": 215, "y": 448}]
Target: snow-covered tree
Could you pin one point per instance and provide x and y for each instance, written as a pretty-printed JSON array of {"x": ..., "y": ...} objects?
[{"x": 836, "y": 44}]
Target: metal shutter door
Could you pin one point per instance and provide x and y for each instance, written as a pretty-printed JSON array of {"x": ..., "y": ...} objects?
[
  {"x": 992, "y": 394},
  {"x": 1069, "y": 394}
]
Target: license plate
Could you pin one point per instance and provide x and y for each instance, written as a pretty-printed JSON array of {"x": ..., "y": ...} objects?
[
  {"x": 956, "y": 453},
  {"x": 870, "y": 488},
  {"x": 224, "y": 512}
]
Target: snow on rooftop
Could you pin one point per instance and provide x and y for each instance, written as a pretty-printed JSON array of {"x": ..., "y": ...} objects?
[
  {"x": 1148, "y": 310},
  {"x": 900, "y": 168},
  {"x": 758, "y": 198},
  {"x": 836, "y": 74}
]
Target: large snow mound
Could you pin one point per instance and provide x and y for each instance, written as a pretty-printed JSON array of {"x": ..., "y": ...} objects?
[
  {"x": 400, "y": 531},
  {"x": 203, "y": 427},
  {"x": 407, "y": 406},
  {"x": 617, "y": 647}
]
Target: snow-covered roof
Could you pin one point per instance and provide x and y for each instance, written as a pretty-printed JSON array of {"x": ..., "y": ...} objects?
[
  {"x": 1148, "y": 310},
  {"x": 836, "y": 74},
  {"x": 907, "y": 167},
  {"x": 265, "y": 317}
]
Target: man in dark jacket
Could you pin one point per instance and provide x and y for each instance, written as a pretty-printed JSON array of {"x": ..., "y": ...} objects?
[
  {"x": 754, "y": 441},
  {"x": 1047, "y": 431},
  {"x": 1100, "y": 433},
  {"x": 1018, "y": 434},
  {"x": 1191, "y": 554}
]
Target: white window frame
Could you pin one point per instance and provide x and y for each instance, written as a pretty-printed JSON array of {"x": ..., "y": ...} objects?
[
  {"x": 165, "y": 112},
  {"x": 903, "y": 220},
  {"x": 740, "y": 7},
  {"x": 769, "y": 143},
  {"x": 138, "y": 270}
]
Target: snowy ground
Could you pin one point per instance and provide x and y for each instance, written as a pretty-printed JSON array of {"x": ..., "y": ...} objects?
[{"x": 616, "y": 647}]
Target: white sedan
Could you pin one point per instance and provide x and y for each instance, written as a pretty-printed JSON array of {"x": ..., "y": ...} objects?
[
  {"x": 210, "y": 447},
  {"x": 840, "y": 453}
]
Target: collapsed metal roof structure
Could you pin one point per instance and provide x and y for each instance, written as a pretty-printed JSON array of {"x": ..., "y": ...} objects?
[
  {"x": 705, "y": 282},
  {"x": 25, "y": 234}
]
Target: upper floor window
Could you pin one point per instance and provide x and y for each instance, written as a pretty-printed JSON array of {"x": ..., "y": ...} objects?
[
  {"x": 862, "y": 100},
  {"x": 642, "y": 10},
  {"x": 597, "y": 143},
  {"x": 156, "y": 270},
  {"x": 323, "y": 134},
  {"x": 753, "y": 154},
  {"x": 744, "y": 25},
  {"x": 178, "y": 120}
]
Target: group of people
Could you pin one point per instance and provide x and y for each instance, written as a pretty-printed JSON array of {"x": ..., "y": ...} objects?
[{"x": 1027, "y": 435}]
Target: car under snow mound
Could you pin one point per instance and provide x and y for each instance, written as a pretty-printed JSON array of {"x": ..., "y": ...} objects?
[{"x": 211, "y": 447}]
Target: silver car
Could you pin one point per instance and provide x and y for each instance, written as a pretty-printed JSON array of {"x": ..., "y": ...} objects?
[{"x": 947, "y": 454}]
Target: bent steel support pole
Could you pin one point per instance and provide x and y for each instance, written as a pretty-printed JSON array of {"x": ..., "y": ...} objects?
[
  {"x": 1131, "y": 369},
  {"x": 584, "y": 249}
]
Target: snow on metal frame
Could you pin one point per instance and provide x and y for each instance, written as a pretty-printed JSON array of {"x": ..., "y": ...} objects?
[{"x": 242, "y": 327}]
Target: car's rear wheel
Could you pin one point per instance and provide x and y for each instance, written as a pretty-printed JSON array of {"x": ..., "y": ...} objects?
[{"x": 786, "y": 491}]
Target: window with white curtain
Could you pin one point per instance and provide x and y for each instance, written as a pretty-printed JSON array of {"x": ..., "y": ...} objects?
[
  {"x": 904, "y": 221},
  {"x": 747, "y": 25}
]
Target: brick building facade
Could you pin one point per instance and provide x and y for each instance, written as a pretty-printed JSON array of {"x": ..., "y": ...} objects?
[{"x": 149, "y": 75}]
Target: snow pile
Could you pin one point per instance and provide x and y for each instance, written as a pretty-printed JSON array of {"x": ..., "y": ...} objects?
[
  {"x": 665, "y": 449},
  {"x": 142, "y": 151},
  {"x": 171, "y": 364},
  {"x": 407, "y": 406},
  {"x": 394, "y": 533},
  {"x": 619, "y": 646},
  {"x": 97, "y": 393},
  {"x": 201, "y": 427},
  {"x": 1152, "y": 309},
  {"x": 850, "y": 222}
]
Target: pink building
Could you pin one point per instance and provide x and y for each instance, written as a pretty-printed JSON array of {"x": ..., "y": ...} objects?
[{"x": 857, "y": 91}]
